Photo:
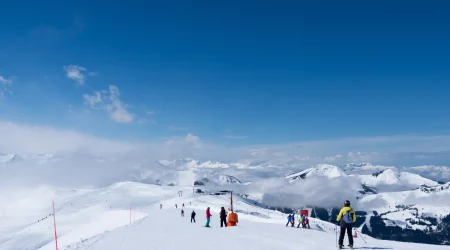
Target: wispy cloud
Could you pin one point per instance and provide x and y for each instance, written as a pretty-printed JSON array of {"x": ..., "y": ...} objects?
[
  {"x": 237, "y": 137},
  {"x": 192, "y": 138},
  {"x": 75, "y": 73},
  {"x": 150, "y": 112},
  {"x": 110, "y": 101},
  {"x": 391, "y": 150},
  {"x": 93, "y": 99},
  {"x": 4, "y": 86},
  {"x": 5, "y": 81},
  {"x": 332, "y": 158}
]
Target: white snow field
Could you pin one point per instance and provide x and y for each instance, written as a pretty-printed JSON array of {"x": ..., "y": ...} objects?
[{"x": 99, "y": 219}]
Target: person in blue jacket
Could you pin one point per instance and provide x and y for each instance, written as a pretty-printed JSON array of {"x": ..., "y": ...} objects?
[{"x": 289, "y": 219}]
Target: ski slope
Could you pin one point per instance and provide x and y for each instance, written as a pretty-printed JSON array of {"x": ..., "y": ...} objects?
[{"x": 100, "y": 219}]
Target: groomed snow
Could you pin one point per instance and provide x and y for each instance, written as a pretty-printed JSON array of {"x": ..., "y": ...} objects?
[{"x": 98, "y": 219}]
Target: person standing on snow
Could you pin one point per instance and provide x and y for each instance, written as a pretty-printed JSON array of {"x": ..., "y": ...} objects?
[
  {"x": 182, "y": 213},
  {"x": 303, "y": 221},
  {"x": 183, "y": 205},
  {"x": 289, "y": 219},
  {"x": 160, "y": 206},
  {"x": 300, "y": 221},
  {"x": 176, "y": 206},
  {"x": 223, "y": 217},
  {"x": 347, "y": 216},
  {"x": 208, "y": 217},
  {"x": 307, "y": 223},
  {"x": 193, "y": 216},
  {"x": 293, "y": 220}
]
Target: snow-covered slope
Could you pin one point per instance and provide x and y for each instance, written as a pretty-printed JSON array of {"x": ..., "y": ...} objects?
[
  {"x": 421, "y": 209},
  {"x": 397, "y": 181},
  {"x": 250, "y": 235},
  {"x": 329, "y": 171},
  {"x": 100, "y": 219}
]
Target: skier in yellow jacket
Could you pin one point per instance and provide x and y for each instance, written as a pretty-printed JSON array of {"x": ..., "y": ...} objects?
[{"x": 347, "y": 216}]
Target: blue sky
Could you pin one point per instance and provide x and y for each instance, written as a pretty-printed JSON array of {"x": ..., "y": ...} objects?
[{"x": 233, "y": 73}]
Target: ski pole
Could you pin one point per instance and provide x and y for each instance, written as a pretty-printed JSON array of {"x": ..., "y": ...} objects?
[
  {"x": 361, "y": 236},
  {"x": 335, "y": 230}
]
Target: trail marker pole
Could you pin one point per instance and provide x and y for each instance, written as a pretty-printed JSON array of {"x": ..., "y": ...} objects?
[
  {"x": 361, "y": 236},
  {"x": 54, "y": 223}
]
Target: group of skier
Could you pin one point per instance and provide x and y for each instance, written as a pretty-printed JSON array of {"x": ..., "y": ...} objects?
[
  {"x": 346, "y": 218},
  {"x": 222, "y": 215},
  {"x": 302, "y": 220}
]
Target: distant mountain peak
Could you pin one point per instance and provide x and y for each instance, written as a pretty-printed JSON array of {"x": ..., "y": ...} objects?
[
  {"x": 8, "y": 158},
  {"x": 326, "y": 170}
]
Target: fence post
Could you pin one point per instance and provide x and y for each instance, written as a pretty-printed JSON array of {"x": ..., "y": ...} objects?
[{"x": 54, "y": 223}]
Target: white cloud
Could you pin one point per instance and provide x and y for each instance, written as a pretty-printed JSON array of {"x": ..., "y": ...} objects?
[
  {"x": 84, "y": 149},
  {"x": 94, "y": 99},
  {"x": 5, "y": 81},
  {"x": 109, "y": 100},
  {"x": 75, "y": 73},
  {"x": 191, "y": 138},
  {"x": 23, "y": 139},
  {"x": 333, "y": 158},
  {"x": 150, "y": 112}
]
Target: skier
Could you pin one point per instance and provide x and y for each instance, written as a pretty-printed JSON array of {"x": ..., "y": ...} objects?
[
  {"x": 300, "y": 221},
  {"x": 176, "y": 206},
  {"x": 303, "y": 221},
  {"x": 183, "y": 205},
  {"x": 307, "y": 223},
  {"x": 160, "y": 206},
  {"x": 189, "y": 203},
  {"x": 193, "y": 216},
  {"x": 223, "y": 217},
  {"x": 208, "y": 217},
  {"x": 347, "y": 216},
  {"x": 293, "y": 220},
  {"x": 182, "y": 213},
  {"x": 289, "y": 219}
]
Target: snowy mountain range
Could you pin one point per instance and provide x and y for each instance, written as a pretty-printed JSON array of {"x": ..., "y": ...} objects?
[{"x": 387, "y": 197}]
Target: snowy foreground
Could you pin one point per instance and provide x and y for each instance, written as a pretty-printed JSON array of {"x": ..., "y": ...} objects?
[{"x": 99, "y": 219}]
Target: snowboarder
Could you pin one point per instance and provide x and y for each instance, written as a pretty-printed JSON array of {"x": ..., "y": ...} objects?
[
  {"x": 193, "y": 216},
  {"x": 208, "y": 217},
  {"x": 347, "y": 216},
  {"x": 182, "y": 213},
  {"x": 223, "y": 217}
]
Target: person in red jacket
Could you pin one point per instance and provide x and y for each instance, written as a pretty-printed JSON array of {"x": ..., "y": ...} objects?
[{"x": 208, "y": 217}]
